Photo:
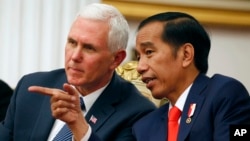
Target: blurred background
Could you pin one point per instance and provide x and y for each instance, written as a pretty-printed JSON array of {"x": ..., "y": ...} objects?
[{"x": 33, "y": 32}]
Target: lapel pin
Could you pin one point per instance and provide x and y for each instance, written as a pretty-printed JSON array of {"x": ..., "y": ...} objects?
[
  {"x": 93, "y": 119},
  {"x": 188, "y": 120},
  {"x": 190, "y": 112}
]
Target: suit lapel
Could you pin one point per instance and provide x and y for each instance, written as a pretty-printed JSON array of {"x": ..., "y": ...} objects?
[
  {"x": 99, "y": 115},
  {"x": 194, "y": 97},
  {"x": 103, "y": 107}
]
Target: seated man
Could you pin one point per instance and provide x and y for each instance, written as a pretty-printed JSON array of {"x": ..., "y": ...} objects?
[
  {"x": 45, "y": 104},
  {"x": 172, "y": 51}
]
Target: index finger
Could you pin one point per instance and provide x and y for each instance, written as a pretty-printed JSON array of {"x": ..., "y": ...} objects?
[{"x": 42, "y": 90}]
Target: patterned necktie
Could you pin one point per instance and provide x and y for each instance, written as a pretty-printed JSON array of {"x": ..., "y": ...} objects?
[
  {"x": 65, "y": 134},
  {"x": 173, "y": 125}
]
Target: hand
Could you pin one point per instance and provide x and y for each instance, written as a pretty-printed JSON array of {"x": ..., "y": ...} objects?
[{"x": 65, "y": 105}]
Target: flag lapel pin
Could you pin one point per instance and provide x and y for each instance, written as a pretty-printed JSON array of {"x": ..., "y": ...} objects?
[{"x": 93, "y": 119}]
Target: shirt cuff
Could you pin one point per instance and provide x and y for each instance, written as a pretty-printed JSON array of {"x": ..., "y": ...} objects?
[{"x": 86, "y": 136}]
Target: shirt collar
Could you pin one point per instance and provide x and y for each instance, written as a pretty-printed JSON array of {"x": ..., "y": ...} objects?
[
  {"x": 182, "y": 99},
  {"x": 90, "y": 99}
]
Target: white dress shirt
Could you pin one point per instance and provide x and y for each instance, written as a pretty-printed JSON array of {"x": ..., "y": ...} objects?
[{"x": 181, "y": 100}]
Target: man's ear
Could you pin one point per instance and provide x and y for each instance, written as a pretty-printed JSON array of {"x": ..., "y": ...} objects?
[
  {"x": 188, "y": 54},
  {"x": 118, "y": 58}
]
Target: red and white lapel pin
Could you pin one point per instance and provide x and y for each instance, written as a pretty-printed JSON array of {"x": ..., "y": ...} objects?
[{"x": 190, "y": 112}]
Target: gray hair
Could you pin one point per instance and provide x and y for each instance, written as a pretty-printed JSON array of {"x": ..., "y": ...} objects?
[{"x": 118, "y": 26}]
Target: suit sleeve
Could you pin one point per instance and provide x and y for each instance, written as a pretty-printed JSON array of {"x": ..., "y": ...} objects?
[{"x": 232, "y": 107}]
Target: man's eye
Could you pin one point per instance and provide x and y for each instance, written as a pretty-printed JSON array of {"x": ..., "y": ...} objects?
[
  {"x": 148, "y": 52},
  {"x": 72, "y": 42},
  {"x": 88, "y": 47}
]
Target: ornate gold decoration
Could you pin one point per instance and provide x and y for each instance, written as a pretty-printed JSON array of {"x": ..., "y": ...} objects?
[
  {"x": 209, "y": 15},
  {"x": 128, "y": 71}
]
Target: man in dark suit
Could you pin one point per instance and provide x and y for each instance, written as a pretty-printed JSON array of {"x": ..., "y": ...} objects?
[
  {"x": 5, "y": 95},
  {"x": 172, "y": 50},
  {"x": 46, "y": 103}
]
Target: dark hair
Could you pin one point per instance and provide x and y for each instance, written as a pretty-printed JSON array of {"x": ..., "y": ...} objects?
[{"x": 181, "y": 28}]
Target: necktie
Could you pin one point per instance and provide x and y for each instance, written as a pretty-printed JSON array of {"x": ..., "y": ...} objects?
[
  {"x": 173, "y": 125},
  {"x": 65, "y": 134}
]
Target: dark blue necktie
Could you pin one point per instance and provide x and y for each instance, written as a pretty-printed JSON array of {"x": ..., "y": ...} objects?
[{"x": 65, "y": 134}]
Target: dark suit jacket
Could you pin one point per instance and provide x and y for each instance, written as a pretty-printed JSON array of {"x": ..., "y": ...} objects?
[
  {"x": 29, "y": 115},
  {"x": 220, "y": 102},
  {"x": 5, "y": 95}
]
